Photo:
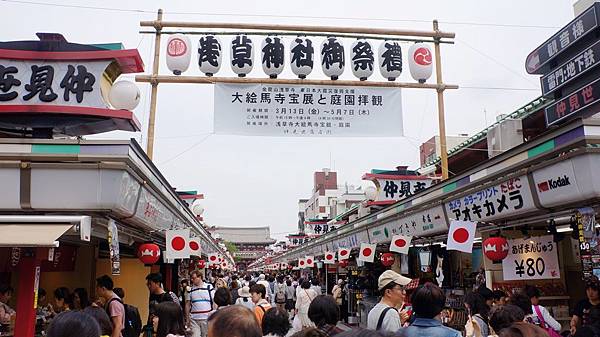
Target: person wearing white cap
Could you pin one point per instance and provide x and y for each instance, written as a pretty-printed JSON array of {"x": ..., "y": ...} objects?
[
  {"x": 384, "y": 315},
  {"x": 262, "y": 280},
  {"x": 244, "y": 298}
]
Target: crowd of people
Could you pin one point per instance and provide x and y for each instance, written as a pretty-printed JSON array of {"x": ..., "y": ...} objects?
[{"x": 285, "y": 306}]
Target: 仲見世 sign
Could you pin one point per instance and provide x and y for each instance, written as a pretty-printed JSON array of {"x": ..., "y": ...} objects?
[
  {"x": 534, "y": 258},
  {"x": 307, "y": 111},
  {"x": 391, "y": 189},
  {"x": 576, "y": 102}
]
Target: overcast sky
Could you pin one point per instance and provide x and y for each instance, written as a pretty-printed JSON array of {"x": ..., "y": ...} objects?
[{"x": 257, "y": 181}]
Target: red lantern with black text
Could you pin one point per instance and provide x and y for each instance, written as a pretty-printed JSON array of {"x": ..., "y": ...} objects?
[
  {"x": 495, "y": 248},
  {"x": 148, "y": 253},
  {"x": 387, "y": 259},
  {"x": 343, "y": 263},
  {"x": 201, "y": 264}
]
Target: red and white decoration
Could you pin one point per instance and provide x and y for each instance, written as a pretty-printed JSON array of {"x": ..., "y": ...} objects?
[
  {"x": 461, "y": 236},
  {"x": 310, "y": 261},
  {"x": 195, "y": 248},
  {"x": 400, "y": 244},
  {"x": 387, "y": 259},
  {"x": 367, "y": 252},
  {"x": 179, "y": 53},
  {"x": 343, "y": 263},
  {"x": 177, "y": 244},
  {"x": 213, "y": 259},
  {"x": 201, "y": 264},
  {"x": 343, "y": 254},
  {"x": 495, "y": 248},
  {"x": 420, "y": 62},
  {"x": 329, "y": 257},
  {"x": 148, "y": 253},
  {"x": 302, "y": 263}
]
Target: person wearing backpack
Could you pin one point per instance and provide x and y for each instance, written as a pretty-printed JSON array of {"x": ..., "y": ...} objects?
[
  {"x": 258, "y": 293},
  {"x": 280, "y": 290},
  {"x": 384, "y": 315},
  {"x": 133, "y": 321},
  {"x": 199, "y": 305},
  {"x": 114, "y": 306}
]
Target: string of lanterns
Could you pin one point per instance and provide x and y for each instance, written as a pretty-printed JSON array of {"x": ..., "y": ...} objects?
[{"x": 301, "y": 57}]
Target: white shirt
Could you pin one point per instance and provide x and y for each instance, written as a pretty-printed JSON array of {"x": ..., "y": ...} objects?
[
  {"x": 201, "y": 298},
  {"x": 391, "y": 321},
  {"x": 550, "y": 321},
  {"x": 305, "y": 296},
  {"x": 267, "y": 287}
]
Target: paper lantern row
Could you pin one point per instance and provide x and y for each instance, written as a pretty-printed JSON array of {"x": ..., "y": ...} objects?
[{"x": 333, "y": 59}]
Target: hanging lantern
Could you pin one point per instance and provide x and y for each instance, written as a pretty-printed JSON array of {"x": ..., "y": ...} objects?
[
  {"x": 332, "y": 57},
  {"x": 362, "y": 59},
  {"x": 390, "y": 59},
  {"x": 302, "y": 54},
  {"x": 495, "y": 248},
  {"x": 425, "y": 260},
  {"x": 242, "y": 55},
  {"x": 179, "y": 53},
  {"x": 272, "y": 56},
  {"x": 387, "y": 259},
  {"x": 420, "y": 62},
  {"x": 148, "y": 253},
  {"x": 201, "y": 264},
  {"x": 290, "y": 267},
  {"x": 209, "y": 54},
  {"x": 343, "y": 263},
  {"x": 124, "y": 95}
]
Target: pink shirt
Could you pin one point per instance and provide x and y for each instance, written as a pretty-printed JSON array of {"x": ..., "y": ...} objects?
[{"x": 115, "y": 308}]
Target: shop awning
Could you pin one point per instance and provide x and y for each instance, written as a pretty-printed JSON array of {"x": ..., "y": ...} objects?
[{"x": 32, "y": 235}]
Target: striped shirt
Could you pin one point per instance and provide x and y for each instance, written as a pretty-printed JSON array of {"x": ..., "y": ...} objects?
[{"x": 201, "y": 299}]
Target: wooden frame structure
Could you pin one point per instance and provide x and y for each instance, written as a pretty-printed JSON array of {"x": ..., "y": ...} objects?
[{"x": 437, "y": 37}]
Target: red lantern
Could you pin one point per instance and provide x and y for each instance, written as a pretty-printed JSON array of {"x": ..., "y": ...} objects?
[
  {"x": 148, "y": 253},
  {"x": 387, "y": 259},
  {"x": 290, "y": 267},
  {"x": 343, "y": 263},
  {"x": 201, "y": 264},
  {"x": 495, "y": 248}
]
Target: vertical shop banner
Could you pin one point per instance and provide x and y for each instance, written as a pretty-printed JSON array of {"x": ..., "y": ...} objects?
[
  {"x": 589, "y": 247},
  {"x": 511, "y": 197},
  {"x": 113, "y": 243},
  {"x": 307, "y": 111},
  {"x": 535, "y": 258}
]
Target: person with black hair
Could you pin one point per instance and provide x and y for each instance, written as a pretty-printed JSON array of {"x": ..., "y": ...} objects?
[
  {"x": 235, "y": 320},
  {"x": 478, "y": 312},
  {"x": 168, "y": 320},
  {"x": 583, "y": 307},
  {"x": 80, "y": 299},
  {"x": 500, "y": 297},
  {"x": 279, "y": 293},
  {"x": 384, "y": 316},
  {"x": 63, "y": 300},
  {"x": 114, "y": 305},
  {"x": 325, "y": 314},
  {"x": 157, "y": 293},
  {"x": 133, "y": 320},
  {"x": 222, "y": 298},
  {"x": 102, "y": 318},
  {"x": 540, "y": 315},
  {"x": 503, "y": 316},
  {"x": 258, "y": 293},
  {"x": 6, "y": 312},
  {"x": 199, "y": 305},
  {"x": 428, "y": 302},
  {"x": 305, "y": 296},
  {"x": 73, "y": 324},
  {"x": 276, "y": 323},
  {"x": 235, "y": 286},
  {"x": 365, "y": 333}
]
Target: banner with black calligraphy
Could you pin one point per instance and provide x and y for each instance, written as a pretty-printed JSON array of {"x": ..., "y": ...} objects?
[
  {"x": 307, "y": 111},
  {"x": 534, "y": 258}
]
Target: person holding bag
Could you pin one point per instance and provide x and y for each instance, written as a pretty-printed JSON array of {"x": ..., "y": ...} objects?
[{"x": 540, "y": 315}]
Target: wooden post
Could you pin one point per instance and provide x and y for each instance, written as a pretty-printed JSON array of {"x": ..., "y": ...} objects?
[
  {"x": 154, "y": 83},
  {"x": 440, "y": 101}
]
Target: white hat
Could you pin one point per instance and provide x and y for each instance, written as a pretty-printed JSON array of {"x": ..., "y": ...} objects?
[
  {"x": 261, "y": 276},
  {"x": 391, "y": 276},
  {"x": 244, "y": 291}
]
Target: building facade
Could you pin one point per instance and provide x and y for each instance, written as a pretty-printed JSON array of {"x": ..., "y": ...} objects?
[{"x": 251, "y": 242}]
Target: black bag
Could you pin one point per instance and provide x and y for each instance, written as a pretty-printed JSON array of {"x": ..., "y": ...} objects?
[{"x": 133, "y": 321}]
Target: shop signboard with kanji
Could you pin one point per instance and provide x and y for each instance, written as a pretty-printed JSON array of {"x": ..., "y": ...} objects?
[
  {"x": 307, "y": 111},
  {"x": 427, "y": 222},
  {"x": 508, "y": 198},
  {"x": 575, "y": 103},
  {"x": 570, "y": 70},
  {"x": 397, "y": 189},
  {"x": 538, "y": 60},
  {"x": 318, "y": 228},
  {"x": 534, "y": 258}
]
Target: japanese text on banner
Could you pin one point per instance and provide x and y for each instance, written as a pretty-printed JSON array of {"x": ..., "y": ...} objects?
[{"x": 535, "y": 258}]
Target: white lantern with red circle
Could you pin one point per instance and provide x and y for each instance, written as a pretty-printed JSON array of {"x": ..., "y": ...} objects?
[
  {"x": 179, "y": 53},
  {"x": 420, "y": 62},
  {"x": 387, "y": 259},
  {"x": 148, "y": 253},
  {"x": 495, "y": 248}
]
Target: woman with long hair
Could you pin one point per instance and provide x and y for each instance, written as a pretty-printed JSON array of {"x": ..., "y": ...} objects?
[
  {"x": 305, "y": 296},
  {"x": 168, "y": 320},
  {"x": 478, "y": 310},
  {"x": 80, "y": 299}
]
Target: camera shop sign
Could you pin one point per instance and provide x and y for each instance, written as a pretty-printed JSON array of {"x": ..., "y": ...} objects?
[{"x": 535, "y": 258}]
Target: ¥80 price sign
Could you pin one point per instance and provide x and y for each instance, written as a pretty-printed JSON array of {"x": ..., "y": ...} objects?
[{"x": 535, "y": 258}]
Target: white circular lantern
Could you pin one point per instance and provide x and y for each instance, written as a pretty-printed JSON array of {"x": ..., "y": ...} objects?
[
  {"x": 371, "y": 193},
  {"x": 362, "y": 59},
  {"x": 124, "y": 95},
  {"x": 209, "y": 54},
  {"x": 179, "y": 53},
  {"x": 332, "y": 57},
  {"x": 273, "y": 55},
  {"x": 242, "y": 55},
  {"x": 390, "y": 59},
  {"x": 420, "y": 62},
  {"x": 302, "y": 55},
  {"x": 197, "y": 208}
]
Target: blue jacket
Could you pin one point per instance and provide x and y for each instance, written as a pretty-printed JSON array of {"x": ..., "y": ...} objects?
[{"x": 427, "y": 327}]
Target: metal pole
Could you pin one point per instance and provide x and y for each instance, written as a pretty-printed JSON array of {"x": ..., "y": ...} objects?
[
  {"x": 154, "y": 83},
  {"x": 440, "y": 101}
]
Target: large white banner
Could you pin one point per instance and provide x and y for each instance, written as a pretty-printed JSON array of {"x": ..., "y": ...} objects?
[
  {"x": 535, "y": 258},
  {"x": 307, "y": 111}
]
